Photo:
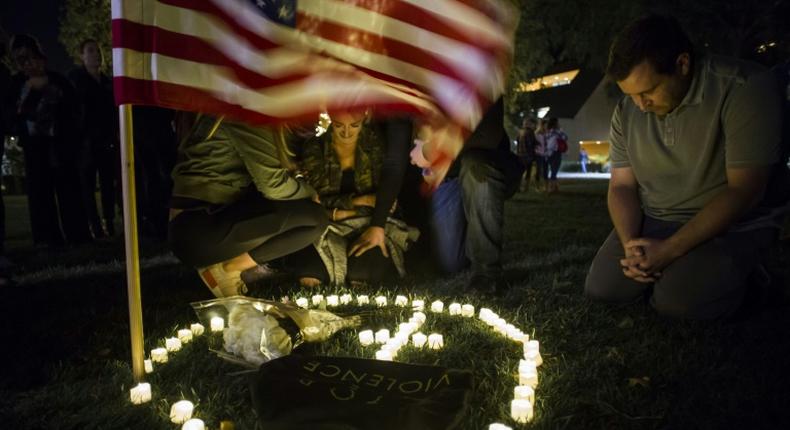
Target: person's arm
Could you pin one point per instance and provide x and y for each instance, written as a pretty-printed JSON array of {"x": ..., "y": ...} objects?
[{"x": 625, "y": 210}]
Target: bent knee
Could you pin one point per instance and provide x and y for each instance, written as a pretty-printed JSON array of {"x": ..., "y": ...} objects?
[{"x": 693, "y": 308}]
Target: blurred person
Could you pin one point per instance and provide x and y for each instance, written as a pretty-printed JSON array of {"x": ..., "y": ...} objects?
[
  {"x": 236, "y": 203},
  {"x": 541, "y": 161},
  {"x": 47, "y": 115},
  {"x": 101, "y": 152},
  {"x": 525, "y": 150},
  {"x": 584, "y": 158},
  {"x": 556, "y": 143},
  {"x": 698, "y": 187}
]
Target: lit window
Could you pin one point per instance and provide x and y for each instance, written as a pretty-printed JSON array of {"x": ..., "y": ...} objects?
[{"x": 548, "y": 81}]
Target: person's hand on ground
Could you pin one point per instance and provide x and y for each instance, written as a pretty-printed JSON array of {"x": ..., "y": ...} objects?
[{"x": 372, "y": 237}]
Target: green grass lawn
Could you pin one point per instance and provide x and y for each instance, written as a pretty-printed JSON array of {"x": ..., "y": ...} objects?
[{"x": 66, "y": 360}]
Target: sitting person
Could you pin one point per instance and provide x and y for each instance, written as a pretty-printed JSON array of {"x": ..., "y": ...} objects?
[
  {"x": 344, "y": 166},
  {"x": 235, "y": 203}
]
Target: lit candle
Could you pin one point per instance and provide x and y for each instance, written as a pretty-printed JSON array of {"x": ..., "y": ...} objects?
[
  {"x": 401, "y": 301},
  {"x": 332, "y": 300},
  {"x": 512, "y": 331},
  {"x": 391, "y": 347},
  {"x": 485, "y": 314},
  {"x": 527, "y": 364},
  {"x": 345, "y": 299},
  {"x": 467, "y": 311},
  {"x": 302, "y": 302},
  {"x": 172, "y": 344},
  {"x": 366, "y": 337},
  {"x": 407, "y": 327},
  {"x": 528, "y": 376},
  {"x": 498, "y": 426},
  {"x": 217, "y": 324},
  {"x": 437, "y": 306},
  {"x": 317, "y": 299},
  {"x": 403, "y": 337},
  {"x": 435, "y": 341},
  {"x": 194, "y": 424},
  {"x": 522, "y": 337},
  {"x": 381, "y": 301},
  {"x": 181, "y": 411},
  {"x": 454, "y": 309},
  {"x": 524, "y": 392},
  {"x": 418, "y": 305},
  {"x": 197, "y": 329},
  {"x": 140, "y": 393},
  {"x": 383, "y": 355},
  {"x": 419, "y": 339},
  {"x": 532, "y": 352},
  {"x": 382, "y": 336},
  {"x": 363, "y": 300},
  {"x": 149, "y": 366},
  {"x": 521, "y": 410},
  {"x": 420, "y": 317},
  {"x": 499, "y": 325},
  {"x": 159, "y": 355},
  {"x": 185, "y": 335}
]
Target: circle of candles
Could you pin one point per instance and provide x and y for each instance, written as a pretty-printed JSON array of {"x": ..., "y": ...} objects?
[
  {"x": 184, "y": 335},
  {"x": 197, "y": 329},
  {"x": 521, "y": 410},
  {"x": 454, "y": 309},
  {"x": 149, "y": 366},
  {"x": 437, "y": 306},
  {"x": 382, "y": 336},
  {"x": 363, "y": 300},
  {"x": 181, "y": 411},
  {"x": 217, "y": 324},
  {"x": 435, "y": 341},
  {"x": 302, "y": 302},
  {"x": 383, "y": 355},
  {"x": 345, "y": 299},
  {"x": 194, "y": 424},
  {"x": 418, "y": 305},
  {"x": 141, "y": 393},
  {"x": 159, "y": 355},
  {"x": 467, "y": 311},
  {"x": 419, "y": 339},
  {"x": 332, "y": 300},
  {"x": 498, "y": 426},
  {"x": 401, "y": 301},
  {"x": 524, "y": 392},
  {"x": 317, "y": 299},
  {"x": 381, "y": 301},
  {"x": 528, "y": 376},
  {"x": 172, "y": 344},
  {"x": 420, "y": 317},
  {"x": 366, "y": 337}
]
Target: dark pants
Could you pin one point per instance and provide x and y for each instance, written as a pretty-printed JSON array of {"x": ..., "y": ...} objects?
[
  {"x": 372, "y": 266},
  {"x": 542, "y": 168},
  {"x": 554, "y": 161},
  {"x": 54, "y": 192},
  {"x": 266, "y": 229},
  {"x": 103, "y": 158},
  {"x": 468, "y": 212},
  {"x": 708, "y": 282}
]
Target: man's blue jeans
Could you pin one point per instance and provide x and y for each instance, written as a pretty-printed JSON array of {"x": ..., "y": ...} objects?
[{"x": 467, "y": 214}]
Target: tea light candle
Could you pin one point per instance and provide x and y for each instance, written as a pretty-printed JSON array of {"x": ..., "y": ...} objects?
[
  {"x": 528, "y": 376},
  {"x": 173, "y": 344},
  {"x": 332, "y": 300},
  {"x": 149, "y": 366},
  {"x": 527, "y": 364},
  {"x": 317, "y": 299},
  {"x": 420, "y": 317},
  {"x": 524, "y": 392},
  {"x": 217, "y": 324},
  {"x": 363, "y": 300},
  {"x": 522, "y": 337},
  {"x": 401, "y": 301},
  {"x": 366, "y": 337},
  {"x": 383, "y": 355},
  {"x": 407, "y": 327},
  {"x": 499, "y": 325},
  {"x": 418, "y": 305},
  {"x": 454, "y": 309},
  {"x": 181, "y": 411},
  {"x": 185, "y": 335},
  {"x": 467, "y": 311},
  {"x": 437, "y": 306},
  {"x": 197, "y": 329},
  {"x": 382, "y": 336},
  {"x": 402, "y": 337},
  {"x": 345, "y": 299},
  {"x": 141, "y": 393},
  {"x": 435, "y": 341},
  {"x": 302, "y": 302},
  {"x": 419, "y": 339},
  {"x": 392, "y": 348},
  {"x": 381, "y": 301},
  {"x": 159, "y": 355},
  {"x": 532, "y": 352},
  {"x": 521, "y": 410},
  {"x": 485, "y": 314},
  {"x": 194, "y": 424},
  {"x": 498, "y": 426}
]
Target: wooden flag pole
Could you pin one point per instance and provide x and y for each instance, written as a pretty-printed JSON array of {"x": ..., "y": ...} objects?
[{"x": 130, "y": 241}]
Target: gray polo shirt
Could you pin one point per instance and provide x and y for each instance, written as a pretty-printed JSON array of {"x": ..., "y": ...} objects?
[{"x": 730, "y": 117}]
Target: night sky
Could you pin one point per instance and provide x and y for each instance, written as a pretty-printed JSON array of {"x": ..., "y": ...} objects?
[{"x": 39, "y": 18}]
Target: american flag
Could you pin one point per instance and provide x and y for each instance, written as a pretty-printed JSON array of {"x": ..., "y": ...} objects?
[{"x": 272, "y": 61}]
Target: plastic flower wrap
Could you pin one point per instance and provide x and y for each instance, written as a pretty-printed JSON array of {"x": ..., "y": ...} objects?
[{"x": 261, "y": 330}]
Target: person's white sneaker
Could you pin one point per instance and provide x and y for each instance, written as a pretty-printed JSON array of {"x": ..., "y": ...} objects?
[{"x": 222, "y": 283}]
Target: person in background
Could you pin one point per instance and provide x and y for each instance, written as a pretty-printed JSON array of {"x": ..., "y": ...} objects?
[
  {"x": 542, "y": 164},
  {"x": 526, "y": 145},
  {"x": 584, "y": 158},
  {"x": 237, "y": 204},
  {"x": 47, "y": 119},
  {"x": 101, "y": 152},
  {"x": 556, "y": 143}
]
